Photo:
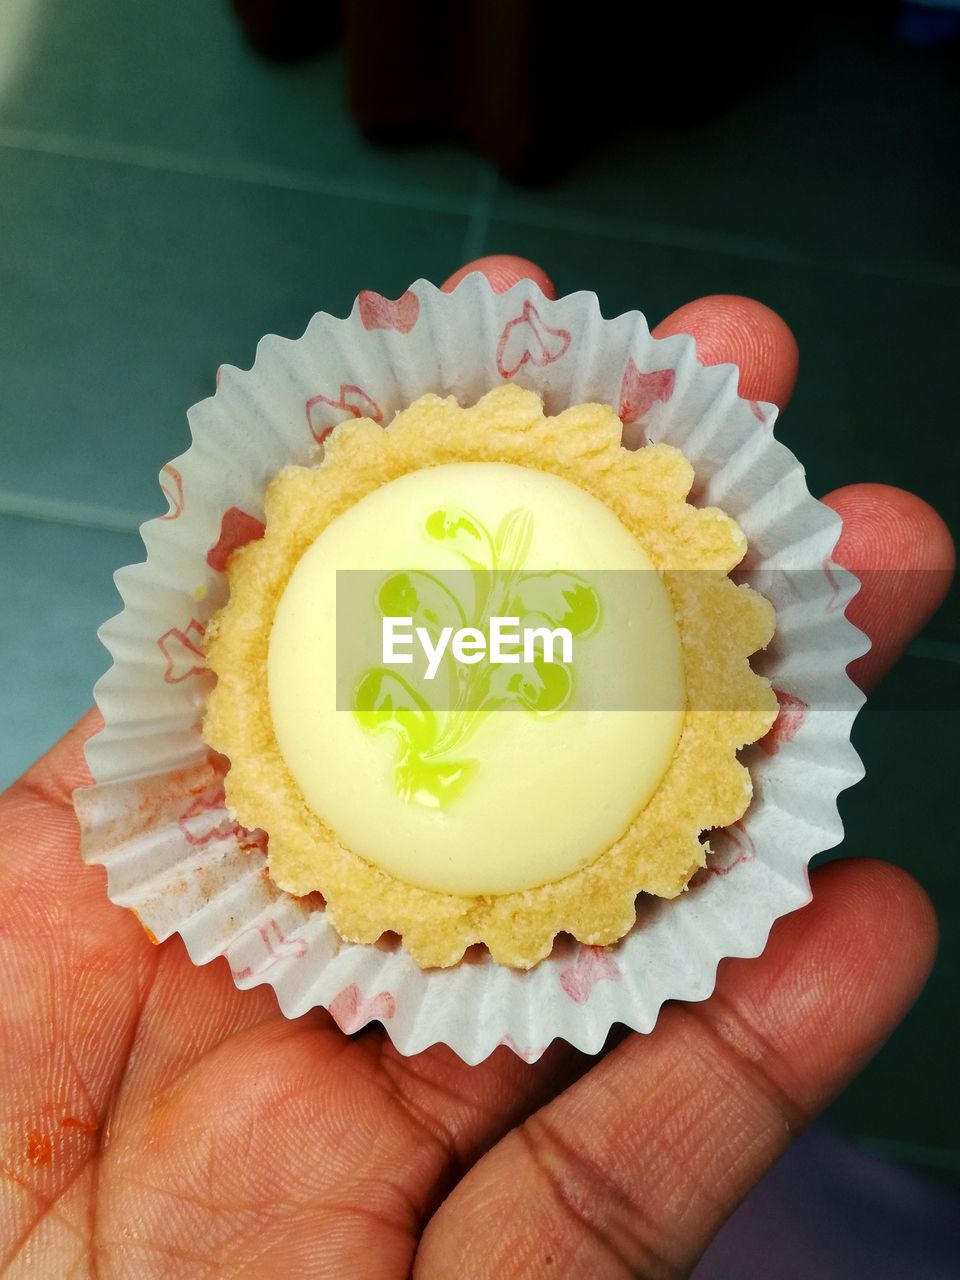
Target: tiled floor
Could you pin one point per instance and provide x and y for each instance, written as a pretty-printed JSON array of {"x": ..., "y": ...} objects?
[{"x": 165, "y": 199}]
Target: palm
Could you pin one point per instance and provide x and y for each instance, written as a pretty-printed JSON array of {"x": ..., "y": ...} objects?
[
  {"x": 154, "y": 1121},
  {"x": 154, "y": 1093},
  {"x": 162, "y": 1096}
]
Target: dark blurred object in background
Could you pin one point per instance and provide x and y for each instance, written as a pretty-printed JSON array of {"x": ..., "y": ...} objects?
[
  {"x": 926, "y": 23},
  {"x": 289, "y": 30},
  {"x": 531, "y": 85},
  {"x": 525, "y": 82}
]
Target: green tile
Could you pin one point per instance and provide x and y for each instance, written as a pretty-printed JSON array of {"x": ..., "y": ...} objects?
[
  {"x": 840, "y": 148},
  {"x": 875, "y": 398},
  {"x": 57, "y": 587},
  {"x": 903, "y": 811},
  {"x": 124, "y": 289},
  {"x": 178, "y": 78}
]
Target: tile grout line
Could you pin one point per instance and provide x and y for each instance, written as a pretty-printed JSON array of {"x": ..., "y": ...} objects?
[
  {"x": 539, "y": 216},
  {"x": 692, "y": 240},
  {"x": 931, "y": 649},
  {"x": 911, "y": 1152},
  {"x": 79, "y": 515},
  {"x": 159, "y": 160}
]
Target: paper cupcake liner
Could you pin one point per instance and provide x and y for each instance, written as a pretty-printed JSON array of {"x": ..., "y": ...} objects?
[{"x": 155, "y": 818}]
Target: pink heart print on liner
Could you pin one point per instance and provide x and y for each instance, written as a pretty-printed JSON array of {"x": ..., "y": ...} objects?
[
  {"x": 531, "y": 1054},
  {"x": 761, "y": 417},
  {"x": 351, "y": 1011},
  {"x": 793, "y": 712},
  {"x": 529, "y": 339},
  {"x": 206, "y": 819},
  {"x": 171, "y": 485},
  {"x": 237, "y": 528},
  {"x": 378, "y": 312},
  {"x": 324, "y": 412},
  {"x": 745, "y": 849},
  {"x": 272, "y": 948},
  {"x": 639, "y": 392},
  {"x": 592, "y": 965},
  {"x": 183, "y": 651},
  {"x": 732, "y": 847},
  {"x": 835, "y": 604}
]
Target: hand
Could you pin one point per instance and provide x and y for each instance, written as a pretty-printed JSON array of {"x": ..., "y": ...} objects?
[{"x": 158, "y": 1122}]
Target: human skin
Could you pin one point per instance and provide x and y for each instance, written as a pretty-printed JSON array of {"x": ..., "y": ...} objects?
[{"x": 155, "y": 1121}]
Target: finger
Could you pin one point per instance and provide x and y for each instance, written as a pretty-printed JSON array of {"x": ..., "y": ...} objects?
[
  {"x": 634, "y": 1167},
  {"x": 37, "y": 816},
  {"x": 75, "y": 970},
  {"x": 504, "y": 270},
  {"x": 732, "y": 330},
  {"x": 903, "y": 554}
]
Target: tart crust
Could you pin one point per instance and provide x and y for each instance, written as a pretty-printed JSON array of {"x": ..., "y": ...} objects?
[{"x": 720, "y": 625}]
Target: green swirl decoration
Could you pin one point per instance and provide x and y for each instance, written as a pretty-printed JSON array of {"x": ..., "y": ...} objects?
[{"x": 432, "y": 765}]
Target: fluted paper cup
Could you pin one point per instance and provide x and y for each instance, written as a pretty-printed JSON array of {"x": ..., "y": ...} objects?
[{"x": 156, "y": 819}]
